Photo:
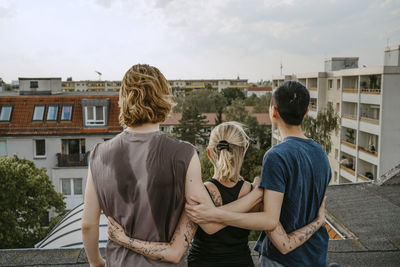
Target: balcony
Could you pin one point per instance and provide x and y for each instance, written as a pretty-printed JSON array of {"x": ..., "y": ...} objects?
[
  {"x": 371, "y": 91},
  {"x": 312, "y": 88},
  {"x": 348, "y": 147},
  {"x": 363, "y": 178},
  {"x": 349, "y": 121},
  {"x": 368, "y": 156},
  {"x": 350, "y": 95},
  {"x": 369, "y": 125},
  {"x": 72, "y": 160},
  {"x": 350, "y": 90},
  {"x": 347, "y": 173}
]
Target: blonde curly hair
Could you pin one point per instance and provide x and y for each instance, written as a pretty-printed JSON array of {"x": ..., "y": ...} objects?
[
  {"x": 144, "y": 96},
  {"x": 228, "y": 162}
]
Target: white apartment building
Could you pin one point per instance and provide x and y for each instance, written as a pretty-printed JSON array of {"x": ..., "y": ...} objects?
[{"x": 367, "y": 144}]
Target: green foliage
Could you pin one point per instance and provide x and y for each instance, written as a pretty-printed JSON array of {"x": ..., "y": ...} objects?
[
  {"x": 232, "y": 94},
  {"x": 252, "y": 100},
  {"x": 320, "y": 128},
  {"x": 215, "y": 102},
  {"x": 253, "y": 236},
  {"x": 252, "y": 163},
  {"x": 192, "y": 125},
  {"x": 26, "y": 195},
  {"x": 262, "y": 105},
  {"x": 258, "y": 133},
  {"x": 207, "y": 169}
]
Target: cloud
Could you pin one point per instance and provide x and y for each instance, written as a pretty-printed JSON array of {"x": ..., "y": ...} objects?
[
  {"x": 7, "y": 9},
  {"x": 104, "y": 3}
]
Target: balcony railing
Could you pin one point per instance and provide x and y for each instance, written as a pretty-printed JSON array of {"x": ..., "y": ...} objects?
[
  {"x": 350, "y": 90},
  {"x": 368, "y": 151},
  {"x": 371, "y": 91},
  {"x": 312, "y": 88},
  {"x": 347, "y": 169},
  {"x": 349, "y": 144},
  {"x": 349, "y": 116},
  {"x": 71, "y": 160},
  {"x": 362, "y": 177},
  {"x": 370, "y": 120}
]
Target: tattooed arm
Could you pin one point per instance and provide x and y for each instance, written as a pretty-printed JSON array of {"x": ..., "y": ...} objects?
[
  {"x": 285, "y": 243},
  {"x": 162, "y": 251}
]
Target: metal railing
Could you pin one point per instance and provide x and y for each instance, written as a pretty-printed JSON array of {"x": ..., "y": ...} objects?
[{"x": 71, "y": 160}]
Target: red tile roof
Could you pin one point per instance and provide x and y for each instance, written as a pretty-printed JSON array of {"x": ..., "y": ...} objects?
[{"x": 21, "y": 117}]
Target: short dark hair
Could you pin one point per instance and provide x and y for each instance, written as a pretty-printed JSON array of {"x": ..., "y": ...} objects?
[{"x": 291, "y": 100}]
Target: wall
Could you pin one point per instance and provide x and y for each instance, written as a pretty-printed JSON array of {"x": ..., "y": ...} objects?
[{"x": 390, "y": 123}]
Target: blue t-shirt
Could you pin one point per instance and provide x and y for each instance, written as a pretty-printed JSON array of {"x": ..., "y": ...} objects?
[{"x": 300, "y": 169}]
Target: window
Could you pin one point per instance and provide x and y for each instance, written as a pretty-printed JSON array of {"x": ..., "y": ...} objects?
[
  {"x": 3, "y": 148},
  {"x": 38, "y": 113},
  {"x": 40, "y": 148},
  {"x": 330, "y": 84},
  {"x": 336, "y": 153},
  {"x": 337, "y": 107},
  {"x": 338, "y": 84},
  {"x": 71, "y": 186},
  {"x": 34, "y": 84},
  {"x": 77, "y": 186},
  {"x": 66, "y": 113},
  {"x": 52, "y": 112},
  {"x": 95, "y": 115},
  {"x": 5, "y": 114},
  {"x": 335, "y": 176},
  {"x": 73, "y": 146},
  {"x": 66, "y": 186}
]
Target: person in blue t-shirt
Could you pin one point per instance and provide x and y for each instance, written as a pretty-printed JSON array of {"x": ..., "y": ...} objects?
[{"x": 294, "y": 176}]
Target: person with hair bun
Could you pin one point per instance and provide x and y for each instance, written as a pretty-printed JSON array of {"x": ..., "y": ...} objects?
[{"x": 223, "y": 245}]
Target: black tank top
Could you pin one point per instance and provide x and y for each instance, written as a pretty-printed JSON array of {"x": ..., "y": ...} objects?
[{"x": 227, "y": 247}]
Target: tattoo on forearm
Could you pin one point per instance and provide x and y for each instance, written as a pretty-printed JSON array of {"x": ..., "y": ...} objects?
[{"x": 300, "y": 236}]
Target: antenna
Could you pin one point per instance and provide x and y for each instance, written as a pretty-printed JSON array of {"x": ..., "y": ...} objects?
[
  {"x": 99, "y": 73},
  {"x": 281, "y": 66}
]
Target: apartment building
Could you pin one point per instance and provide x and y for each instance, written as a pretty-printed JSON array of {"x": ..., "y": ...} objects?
[
  {"x": 90, "y": 85},
  {"x": 213, "y": 83},
  {"x": 101, "y": 86},
  {"x": 367, "y": 144}
]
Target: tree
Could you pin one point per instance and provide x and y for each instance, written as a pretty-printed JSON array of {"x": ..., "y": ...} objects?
[
  {"x": 192, "y": 125},
  {"x": 232, "y": 94},
  {"x": 26, "y": 195},
  {"x": 262, "y": 105},
  {"x": 320, "y": 128},
  {"x": 207, "y": 169}
]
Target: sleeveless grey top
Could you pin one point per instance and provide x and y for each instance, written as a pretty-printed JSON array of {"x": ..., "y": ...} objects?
[{"x": 140, "y": 182}]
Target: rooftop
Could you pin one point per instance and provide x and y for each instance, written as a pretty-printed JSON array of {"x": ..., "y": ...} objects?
[{"x": 372, "y": 214}]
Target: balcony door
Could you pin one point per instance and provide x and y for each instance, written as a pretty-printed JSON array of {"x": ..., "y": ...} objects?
[{"x": 73, "y": 146}]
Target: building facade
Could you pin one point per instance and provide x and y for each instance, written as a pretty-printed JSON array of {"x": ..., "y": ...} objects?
[{"x": 367, "y": 144}]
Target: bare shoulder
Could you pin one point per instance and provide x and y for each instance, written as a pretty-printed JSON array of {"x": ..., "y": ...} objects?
[
  {"x": 246, "y": 188},
  {"x": 214, "y": 193}
]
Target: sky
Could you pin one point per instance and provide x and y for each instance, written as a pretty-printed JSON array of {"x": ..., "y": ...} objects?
[{"x": 190, "y": 39}]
